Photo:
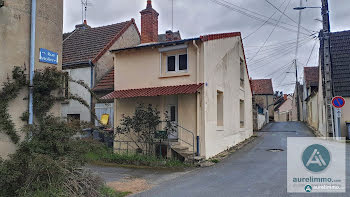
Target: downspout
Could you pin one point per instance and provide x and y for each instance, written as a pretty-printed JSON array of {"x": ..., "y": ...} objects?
[
  {"x": 198, "y": 101},
  {"x": 91, "y": 86},
  {"x": 32, "y": 62}
]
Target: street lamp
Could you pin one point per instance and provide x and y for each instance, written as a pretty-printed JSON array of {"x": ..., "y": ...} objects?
[{"x": 302, "y": 8}]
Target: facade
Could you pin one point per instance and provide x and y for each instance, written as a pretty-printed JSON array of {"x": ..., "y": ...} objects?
[
  {"x": 202, "y": 83},
  {"x": 340, "y": 63},
  {"x": 15, "y": 48},
  {"x": 263, "y": 102},
  {"x": 87, "y": 59},
  {"x": 310, "y": 101},
  {"x": 284, "y": 108}
]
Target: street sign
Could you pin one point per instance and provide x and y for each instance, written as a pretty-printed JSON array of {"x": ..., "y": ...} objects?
[
  {"x": 47, "y": 56},
  {"x": 338, "y": 102}
]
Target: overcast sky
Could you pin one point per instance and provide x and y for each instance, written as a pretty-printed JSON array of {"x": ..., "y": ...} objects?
[{"x": 199, "y": 17}]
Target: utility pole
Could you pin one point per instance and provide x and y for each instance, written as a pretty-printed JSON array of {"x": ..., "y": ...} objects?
[
  {"x": 327, "y": 68},
  {"x": 296, "y": 65}
]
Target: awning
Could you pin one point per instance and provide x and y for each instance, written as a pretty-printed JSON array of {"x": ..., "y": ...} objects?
[{"x": 155, "y": 91}]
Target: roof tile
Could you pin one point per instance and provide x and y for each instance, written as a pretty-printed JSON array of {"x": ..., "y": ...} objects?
[
  {"x": 155, "y": 91},
  {"x": 311, "y": 76},
  {"x": 262, "y": 87}
]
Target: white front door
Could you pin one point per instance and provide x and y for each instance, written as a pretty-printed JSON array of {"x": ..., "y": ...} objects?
[{"x": 173, "y": 116}]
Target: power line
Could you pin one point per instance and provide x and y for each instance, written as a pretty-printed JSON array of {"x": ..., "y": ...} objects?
[
  {"x": 271, "y": 32},
  {"x": 263, "y": 23},
  {"x": 313, "y": 48},
  {"x": 310, "y": 31},
  {"x": 254, "y": 16}
]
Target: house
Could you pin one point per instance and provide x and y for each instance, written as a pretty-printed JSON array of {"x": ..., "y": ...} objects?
[
  {"x": 310, "y": 101},
  {"x": 262, "y": 98},
  {"x": 298, "y": 101},
  {"x": 202, "y": 83},
  {"x": 15, "y": 44},
  {"x": 283, "y": 108},
  {"x": 340, "y": 66},
  {"x": 86, "y": 57}
]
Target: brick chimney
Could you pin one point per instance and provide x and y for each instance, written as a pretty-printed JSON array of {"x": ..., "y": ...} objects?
[{"x": 149, "y": 24}]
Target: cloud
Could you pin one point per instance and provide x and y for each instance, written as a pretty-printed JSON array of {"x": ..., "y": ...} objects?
[{"x": 199, "y": 17}]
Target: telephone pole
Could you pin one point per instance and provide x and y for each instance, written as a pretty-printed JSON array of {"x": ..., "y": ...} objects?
[
  {"x": 327, "y": 68},
  {"x": 296, "y": 66}
]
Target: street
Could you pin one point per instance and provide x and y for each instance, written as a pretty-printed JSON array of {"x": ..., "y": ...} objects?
[{"x": 251, "y": 171}]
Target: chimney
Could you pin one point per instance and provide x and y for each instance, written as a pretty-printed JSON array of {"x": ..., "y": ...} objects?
[
  {"x": 285, "y": 96},
  {"x": 83, "y": 26},
  {"x": 149, "y": 24}
]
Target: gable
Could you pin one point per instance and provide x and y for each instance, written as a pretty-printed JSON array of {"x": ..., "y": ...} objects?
[{"x": 89, "y": 44}]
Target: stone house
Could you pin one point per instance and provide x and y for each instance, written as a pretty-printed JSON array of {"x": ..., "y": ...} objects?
[
  {"x": 263, "y": 97},
  {"x": 310, "y": 101}
]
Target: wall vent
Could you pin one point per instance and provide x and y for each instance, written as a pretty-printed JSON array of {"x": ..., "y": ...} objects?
[{"x": 2, "y": 3}]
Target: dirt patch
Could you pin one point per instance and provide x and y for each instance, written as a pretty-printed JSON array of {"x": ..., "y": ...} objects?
[{"x": 133, "y": 185}]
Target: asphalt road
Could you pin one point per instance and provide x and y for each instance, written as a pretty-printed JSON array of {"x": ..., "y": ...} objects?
[{"x": 251, "y": 171}]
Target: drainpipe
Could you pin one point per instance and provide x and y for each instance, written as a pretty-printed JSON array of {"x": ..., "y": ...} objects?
[
  {"x": 32, "y": 62},
  {"x": 91, "y": 85},
  {"x": 198, "y": 99}
]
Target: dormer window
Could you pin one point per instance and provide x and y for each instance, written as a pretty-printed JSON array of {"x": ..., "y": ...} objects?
[{"x": 177, "y": 63}]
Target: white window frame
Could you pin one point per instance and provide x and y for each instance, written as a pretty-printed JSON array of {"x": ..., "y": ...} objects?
[{"x": 177, "y": 63}]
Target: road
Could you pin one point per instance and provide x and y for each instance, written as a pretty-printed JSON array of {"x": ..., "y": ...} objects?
[{"x": 251, "y": 171}]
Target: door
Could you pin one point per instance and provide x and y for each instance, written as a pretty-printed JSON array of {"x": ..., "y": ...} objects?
[{"x": 173, "y": 116}]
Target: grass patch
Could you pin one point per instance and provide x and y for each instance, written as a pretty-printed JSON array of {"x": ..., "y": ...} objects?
[
  {"x": 99, "y": 154},
  {"x": 109, "y": 192},
  {"x": 215, "y": 160}
]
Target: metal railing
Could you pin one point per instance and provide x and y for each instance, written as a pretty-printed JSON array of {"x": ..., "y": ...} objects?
[{"x": 177, "y": 126}]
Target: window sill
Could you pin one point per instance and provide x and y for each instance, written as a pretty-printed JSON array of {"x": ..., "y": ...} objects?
[
  {"x": 220, "y": 128},
  {"x": 175, "y": 75}
]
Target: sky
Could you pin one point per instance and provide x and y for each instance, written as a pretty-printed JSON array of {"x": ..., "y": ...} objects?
[{"x": 270, "y": 49}]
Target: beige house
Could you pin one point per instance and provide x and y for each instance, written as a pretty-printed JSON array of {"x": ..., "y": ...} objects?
[
  {"x": 201, "y": 82},
  {"x": 311, "y": 81},
  {"x": 284, "y": 108},
  {"x": 15, "y": 47}
]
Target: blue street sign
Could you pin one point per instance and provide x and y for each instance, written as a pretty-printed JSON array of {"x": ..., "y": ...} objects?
[{"x": 47, "y": 56}]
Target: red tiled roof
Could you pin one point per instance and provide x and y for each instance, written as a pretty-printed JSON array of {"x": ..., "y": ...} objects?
[
  {"x": 155, "y": 91},
  {"x": 85, "y": 44},
  {"x": 262, "y": 86},
  {"x": 311, "y": 76},
  {"x": 219, "y": 36},
  {"x": 106, "y": 83}
]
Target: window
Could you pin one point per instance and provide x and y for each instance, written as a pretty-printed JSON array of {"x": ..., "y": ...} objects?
[
  {"x": 220, "y": 108},
  {"x": 241, "y": 110},
  {"x": 242, "y": 72},
  {"x": 171, "y": 63},
  {"x": 66, "y": 85},
  {"x": 183, "y": 62},
  {"x": 177, "y": 63},
  {"x": 73, "y": 117},
  {"x": 172, "y": 113}
]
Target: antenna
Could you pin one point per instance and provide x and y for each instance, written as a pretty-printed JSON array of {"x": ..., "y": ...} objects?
[
  {"x": 172, "y": 15},
  {"x": 84, "y": 6}
]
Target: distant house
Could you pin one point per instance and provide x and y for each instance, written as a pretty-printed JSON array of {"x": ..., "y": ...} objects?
[
  {"x": 310, "y": 101},
  {"x": 263, "y": 102},
  {"x": 86, "y": 57},
  {"x": 340, "y": 63},
  {"x": 202, "y": 83},
  {"x": 283, "y": 108}
]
